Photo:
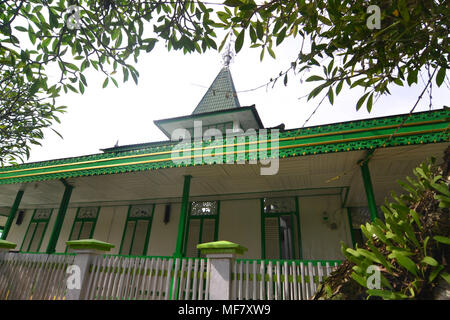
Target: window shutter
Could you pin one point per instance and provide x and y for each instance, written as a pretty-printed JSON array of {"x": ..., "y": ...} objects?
[
  {"x": 127, "y": 238},
  {"x": 193, "y": 236},
  {"x": 208, "y": 230},
  {"x": 38, "y": 234},
  {"x": 26, "y": 241},
  {"x": 272, "y": 238},
  {"x": 139, "y": 238},
  {"x": 86, "y": 230},
  {"x": 75, "y": 231}
]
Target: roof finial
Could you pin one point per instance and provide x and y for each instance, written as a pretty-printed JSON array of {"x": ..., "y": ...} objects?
[{"x": 228, "y": 55}]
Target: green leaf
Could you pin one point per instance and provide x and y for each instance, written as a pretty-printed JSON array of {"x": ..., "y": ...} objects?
[
  {"x": 404, "y": 261},
  {"x": 233, "y": 3},
  {"x": 20, "y": 28},
  {"x": 435, "y": 273},
  {"x": 445, "y": 276},
  {"x": 430, "y": 260},
  {"x": 442, "y": 239},
  {"x": 361, "y": 101},
  {"x": 386, "y": 294},
  {"x": 239, "y": 41},
  {"x": 105, "y": 83},
  {"x": 81, "y": 87},
  {"x": 314, "y": 78},
  {"x": 361, "y": 280},
  {"x": 441, "y": 187},
  {"x": 339, "y": 87},
  {"x": 440, "y": 76},
  {"x": 369, "y": 103},
  {"x": 331, "y": 95}
]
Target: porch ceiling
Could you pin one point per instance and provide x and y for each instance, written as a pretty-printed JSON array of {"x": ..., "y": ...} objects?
[{"x": 299, "y": 175}]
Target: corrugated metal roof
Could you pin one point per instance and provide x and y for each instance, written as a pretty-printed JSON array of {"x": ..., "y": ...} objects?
[{"x": 221, "y": 95}]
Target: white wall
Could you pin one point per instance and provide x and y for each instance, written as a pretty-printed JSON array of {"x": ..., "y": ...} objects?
[
  {"x": 318, "y": 240},
  {"x": 117, "y": 225},
  {"x": 163, "y": 237},
  {"x": 104, "y": 222},
  {"x": 240, "y": 222}
]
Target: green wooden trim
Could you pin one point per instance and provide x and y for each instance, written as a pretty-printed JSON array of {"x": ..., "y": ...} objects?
[
  {"x": 36, "y": 221},
  {"x": 218, "y": 247},
  {"x": 125, "y": 229},
  {"x": 278, "y": 215},
  {"x": 45, "y": 230},
  {"x": 369, "y": 190},
  {"x": 350, "y": 223},
  {"x": 82, "y": 220},
  {"x": 183, "y": 213},
  {"x": 133, "y": 235},
  {"x": 95, "y": 222},
  {"x": 26, "y": 233},
  {"x": 420, "y": 128},
  {"x": 135, "y": 220},
  {"x": 344, "y": 202},
  {"x": 7, "y": 244},
  {"x": 87, "y": 244},
  {"x": 201, "y": 218},
  {"x": 59, "y": 219},
  {"x": 12, "y": 214},
  {"x": 149, "y": 230}
]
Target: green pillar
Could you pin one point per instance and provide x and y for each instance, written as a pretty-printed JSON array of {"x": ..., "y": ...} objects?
[
  {"x": 369, "y": 189},
  {"x": 12, "y": 214},
  {"x": 60, "y": 217},
  {"x": 183, "y": 215}
]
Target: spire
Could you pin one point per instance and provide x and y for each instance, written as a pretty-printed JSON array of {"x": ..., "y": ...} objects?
[
  {"x": 221, "y": 95},
  {"x": 228, "y": 55}
]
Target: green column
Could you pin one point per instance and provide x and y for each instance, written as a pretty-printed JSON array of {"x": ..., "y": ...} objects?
[
  {"x": 369, "y": 189},
  {"x": 12, "y": 214},
  {"x": 183, "y": 215},
  {"x": 60, "y": 217}
]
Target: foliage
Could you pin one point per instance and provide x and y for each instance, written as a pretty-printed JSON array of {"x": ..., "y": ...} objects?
[
  {"x": 411, "y": 247},
  {"x": 413, "y": 35},
  {"x": 35, "y": 37}
]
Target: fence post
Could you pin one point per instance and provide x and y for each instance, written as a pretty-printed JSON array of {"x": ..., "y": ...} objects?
[
  {"x": 221, "y": 255},
  {"x": 5, "y": 246},
  {"x": 86, "y": 250}
]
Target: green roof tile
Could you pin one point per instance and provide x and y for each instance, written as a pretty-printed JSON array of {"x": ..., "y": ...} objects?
[{"x": 221, "y": 95}]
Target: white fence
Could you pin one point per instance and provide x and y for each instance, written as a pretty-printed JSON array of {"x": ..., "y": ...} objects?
[
  {"x": 147, "y": 278},
  {"x": 33, "y": 276},
  {"x": 277, "y": 280},
  {"x": 42, "y": 276}
]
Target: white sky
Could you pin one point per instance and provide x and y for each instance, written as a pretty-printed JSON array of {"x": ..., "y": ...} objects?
[{"x": 171, "y": 84}]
